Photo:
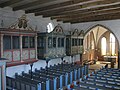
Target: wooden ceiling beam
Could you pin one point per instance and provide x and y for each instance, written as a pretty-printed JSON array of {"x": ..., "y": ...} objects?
[
  {"x": 31, "y": 4},
  {"x": 1, "y": 1},
  {"x": 96, "y": 19},
  {"x": 54, "y": 6},
  {"x": 86, "y": 5},
  {"x": 10, "y": 2},
  {"x": 92, "y": 15},
  {"x": 64, "y": 9},
  {"x": 87, "y": 14},
  {"x": 104, "y": 17},
  {"x": 85, "y": 11}
]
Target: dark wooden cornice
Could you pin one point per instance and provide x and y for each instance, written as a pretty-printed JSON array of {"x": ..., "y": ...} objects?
[
  {"x": 75, "y": 7},
  {"x": 87, "y": 14},
  {"x": 112, "y": 16},
  {"x": 31, "y": 4},
  {"x": 73, "y": 11},
  {"x": 9, "y": 2},
  {"x": 85, "y": 11},
  {"x": 54, "y": 6}
]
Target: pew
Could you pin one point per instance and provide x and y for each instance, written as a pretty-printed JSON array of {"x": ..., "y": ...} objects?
[
  {"x": 52, "y": 78},
  {"x": 98, "y": 80},
  {"x": 22, "y": 85}
]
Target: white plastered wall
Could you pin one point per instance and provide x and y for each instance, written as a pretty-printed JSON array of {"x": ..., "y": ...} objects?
[{"x": 9, "y": 17}]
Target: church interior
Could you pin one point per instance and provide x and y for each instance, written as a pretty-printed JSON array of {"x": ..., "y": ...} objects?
[{"x": 59, "y": 45}]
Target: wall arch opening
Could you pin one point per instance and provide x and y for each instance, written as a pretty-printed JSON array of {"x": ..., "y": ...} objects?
[{"x": 100, "y": 44}]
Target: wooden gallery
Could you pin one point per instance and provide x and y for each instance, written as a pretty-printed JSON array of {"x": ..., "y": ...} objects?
[{"x": 59, "y": 45}]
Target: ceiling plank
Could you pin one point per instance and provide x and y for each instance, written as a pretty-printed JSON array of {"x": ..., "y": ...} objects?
[
  {"x": 86, "y": 5},
  {"x": 31, "y": 4},
  {"x": 90, "y": 15},
  {"x": 58, "y": 5},
  {"x": 1, "y": 1},
  {"x": 104, "y": 17},
  {"x": 67, "y": 14},
  {"x": 10, "y": 2},
  {"x": 96, "y": 19},
  {"x": 87, "y": 14}
]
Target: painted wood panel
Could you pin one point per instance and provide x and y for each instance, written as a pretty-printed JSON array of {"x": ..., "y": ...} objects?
[
  {"x": 61, "y": 52},
  {"x": 25, "y": 54},
  {"x": 16, "y": 55},
  {"x": 56, "y": 52},
  {"x": 32, "y": 54},
  {"x": 7, "y": 55}
]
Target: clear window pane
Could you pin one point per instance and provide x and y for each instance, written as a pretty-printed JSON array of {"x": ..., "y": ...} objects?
[
  {"x": 49, "y": 42},
  {"x": 32, "y": 42},
  {"x": 112, "y": 44},
  {"x": 6, "y": 42},
  {"x": 59, "y": 42},
  {"x": 103, "y": 46},
  {"x": 62, "y": 42},
  {"x": 16, "y": 42},
  {"x": 54, "y": 42},
  {"x": 50, "y": 27},
  {"x": 81, "y": 41},
  {"x": 40, "y": 42},
  {"x": 25, "y": 42},
  {"x": 73, "y": 42}
]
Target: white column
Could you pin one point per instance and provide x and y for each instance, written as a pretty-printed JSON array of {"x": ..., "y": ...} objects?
[
  {"x": 1, "y": 39},
  {"x": 56, "y": 45},
  {"x": 64, "y": 46},
  {"x": 46, "y": 46},
  {"x": 3, "y": 75},
  {"x": 36, "y": 47},
  {"x": 20, "y": 47}
]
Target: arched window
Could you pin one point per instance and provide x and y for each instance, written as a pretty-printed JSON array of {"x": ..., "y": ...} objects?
[
  {"x": 103, "y": 46},
  {"x": 92, "y": 44},
  {"x": 50, "y": 27},
  {"x": 112, "y": 44}
]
